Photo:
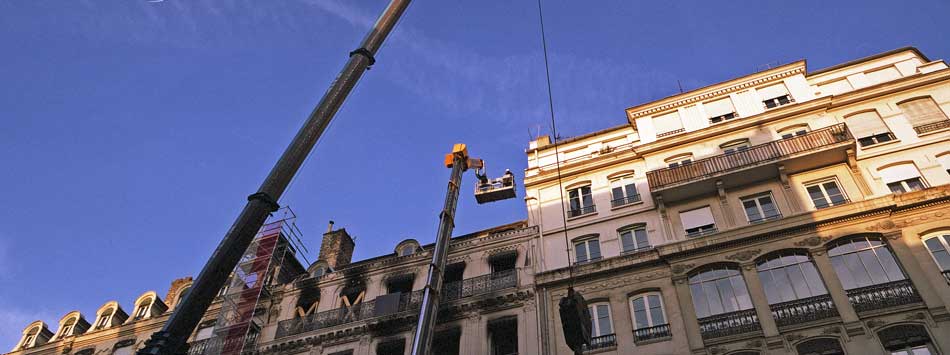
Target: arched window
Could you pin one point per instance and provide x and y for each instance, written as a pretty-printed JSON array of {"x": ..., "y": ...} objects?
[
  {"x": 902, "y": 178},
  {"x": 141, "y": 310},
  {"x": 104, "y": 319},
  {"x": 939, "y": 246},
  {"x": 407, "y": 247},
  {"x": 862, "y": 261},
  {"x": 30, "y": 337},
  {"x": 820, "y": 346},
  {"x": 788, "y": 276},
  {"x": 718, "y": 289},
  {"x": 182, "y": 294},
  {"x": 906, "y": 339},
  {"x": 67, "y": 327},
  {"x": 649, "y": 318}
]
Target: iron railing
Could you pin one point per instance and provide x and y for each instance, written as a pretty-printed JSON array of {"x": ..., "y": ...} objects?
[
  {"x": 803, "y": 310},
  {"x": 650, "y": 333},
  {"x": 885, "y": 295},
  {"x": 829, "y": 203},
  {"x": 581, "y": 211},
  {"x": 215, "y": 344},
  {"x": 727, "y": 324},
  {"x": 626, "y": 200},
  {"x": 408, "y": 302},
  {"x": 480, "y": 285},
  {"x": 601, "y": 342},
  {"x": 933, "y": 126},
  {"x": 702, "y": 232},
  {"x": 771, "y": 151},
  {"x": 766, "y": 218},
  {"x": 946, "y": 275}
]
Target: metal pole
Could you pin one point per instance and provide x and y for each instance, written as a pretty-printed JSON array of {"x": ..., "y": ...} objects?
[
  {"x": 171, "y": 339},
  {"x": 422, "y": 341}
]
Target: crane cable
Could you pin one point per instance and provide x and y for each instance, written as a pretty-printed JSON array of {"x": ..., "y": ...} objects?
[{"x": 557, "y": 158}]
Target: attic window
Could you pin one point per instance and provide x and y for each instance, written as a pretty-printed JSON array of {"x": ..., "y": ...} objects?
[
  {"x": 142, "y": 311},
  {"x": 407, "y": 250},
  {"x": 104, "y": 319},
  {"x": 67, "y": 327}
]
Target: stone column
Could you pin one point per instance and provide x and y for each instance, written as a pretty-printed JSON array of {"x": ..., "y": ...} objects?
[
  {"x": 838, "y": 295},
  {"x": 690, "y": 323},
  {"x": 924, "y": 285},
  {"x": 759, "y": 301},
  {"x": 473, "y": 335}
]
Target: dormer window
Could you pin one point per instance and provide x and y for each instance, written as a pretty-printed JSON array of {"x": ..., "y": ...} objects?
[
  {"x": 320, "y": 271},
  {"x": 775, "y": 96},
  {"x": 407, "y": 247},
  {"x": 104, "y": 318},
  {"x": 30, "y": 337},
  {"x": 406, "y": 250},
  {"x": 67, "y": 327},
  {"x": 720, "y": 110},
  {"x": 142, "y": 310}
]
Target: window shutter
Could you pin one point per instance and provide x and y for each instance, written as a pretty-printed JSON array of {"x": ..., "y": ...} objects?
[
  {"x": 866, "y": 124},
  {"x": 922, "y": 111},
  {"x": 698, "y": 217},
  {"x": 719, "y": 107},
  {"x": 898, "y": 173},
  {"x": 771, "y": 92},
  {"x": 667, "y": 123}
]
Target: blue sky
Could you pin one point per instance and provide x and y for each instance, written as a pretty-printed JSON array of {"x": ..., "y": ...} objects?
[{"x": 131, "y": 131}]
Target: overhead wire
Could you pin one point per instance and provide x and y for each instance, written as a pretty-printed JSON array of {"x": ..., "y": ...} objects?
[{"x": 557, "y": 157}]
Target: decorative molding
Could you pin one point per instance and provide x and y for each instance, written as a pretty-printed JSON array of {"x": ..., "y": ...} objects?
[
  {"x": 755, "y": 343},
  {"x": 833, "y": 330},
  {"x": 897, "y": 224},
  {"x": 875, "y": 323},
  {"x": 744, "y": 255},
  {"x": 682, "y": 268},
  {"x": 812, "y": 241},
  {"x": 916, "y": 316},
  {"x": 123, "y": 343},
  {"x": 791, "y": 338}
]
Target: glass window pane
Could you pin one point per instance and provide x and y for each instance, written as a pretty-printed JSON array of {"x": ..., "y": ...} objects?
[
  {"x": 934, "y": 245},
  {"x": 769, "y": 286},
  {"x": 742, "y": 294},
  {"x": 580, "y": 249},
  {"x": 847, "y": 282},
  {"x": 712, "y": 298},
  {"x": 915, "y": 184},
  {"x": 642, "y": 241},
  {"x": 626, "y": 241},
  {"x": 656, "y": 310},
  {"x": 893, "y": 271},
  {"x": 729, "y": 303},
  {"x": 639, "y": 304},
  {"x": 768, "y": 207},
  {"x": 616, "y": 193},
  {"x": 813, "y": 279},
  {"x": 857, "y": 270},
  {"x": 861, "y": 243},
  {"x": 782, "y": 285},
  {"x": 943, "y": 260},
  {"x": 641, "y": 319},
  {"x": 817, "y": 196},
  {"x": 751, "y": 210},
  {"x": 700, "y": 301},
  {"x": 603, "y": 318},
  {"x": 631, "y": 189},
  {"x": 873, "y": 266},
  {"x": 594, "y": 247},
  {"x": 798, "y": 282}
]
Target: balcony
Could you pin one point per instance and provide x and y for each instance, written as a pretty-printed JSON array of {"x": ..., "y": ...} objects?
[
  {"x": 623, "y": 201},
  {"x": 602, "y": 342},
  {"x": 812, "y": 150},
  {"x": 408, "y": 302},
  {"x": 584, "y": 210},
  {"x": 882, "y": 296},
  {"x": 733, "y": 323},
  {"x": 803, "y": 310},
  {"x": 215, "y": 345},
  {"x": 946, "y": 275},
  {"x": 479, "y": 285},
  {"x": 933, "y": 126},
  {"x": 644, "y": 335}
]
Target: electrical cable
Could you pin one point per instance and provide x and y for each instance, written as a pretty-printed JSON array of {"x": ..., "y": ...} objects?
[{"x": 557, "y": 157}]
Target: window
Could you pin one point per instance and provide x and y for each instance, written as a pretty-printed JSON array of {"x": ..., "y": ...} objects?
[
  {"x": 698, "y": 222},
  {"x": 679, "y": 160},
  {"x": 320, "y": 271},
  {"x": 447, "y": 342},
  {"x": 142, "y": 309},
  {"x": 587, "y": 250},
  {"x": 581, "y": 201},
  {"x": 502, "y": 262},
  {"x": 182, "y": 294},
  {"x": 634, "y": 238},
  {"x": 719, "y": 290},
  {"x": 760, "y": 208},
  {"x": 774, "y": 96},
  {"x": 789, "y": 276},
  {"x": 391, "y": 347},
  {"x": 939, "y": 246},
  {"x": 902, "y": 178},
  {"x": 104, "y": 319},
  {"x": 826, "y": 194},
  {"x": 820, "y": 346},
  {"x": 720, "y": 110},
  {"x": 868, "y": 128},
  {"x": 30, "y": 337},
  {"x": 67, "y": 327},
  {"x": 204, "y": 333},
  {"x": 924, "y": 114},
  {"x": 944, "y": 160},
  {"x": 503, "y": 336},
  {"x": 668, "y": 124},
  {"x": 623, "y": 191},
  {"x": 407, "y": 250},
  {"x": 735, "y": 146},
  {"x": 400, "y": 283},
  {"x": 647, "y": 310},
  {"x": 793, "y": 131},
  {"x": 906, "y": 339},
  {"x": 600, "y": 317},
  {"x": 863, "y": 261}
]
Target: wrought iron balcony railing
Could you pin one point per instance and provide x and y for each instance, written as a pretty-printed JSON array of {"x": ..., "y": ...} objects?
[
  {"x": 880, "y": 296},
  {"x": 771, "y": 151},
  {"x": 726, "y": 324},
  {"x": 626, "y": 200},
  {"x": 655, "y": 332},
  {"x": 946, "y": 275},
  {"x": 480, "y": 285},
  {"x": 581, "y": 211},
  {"x": 214, "y": 345},
  {"x": 359, "y": 312},
  {"x": 766, "y": 218},
  {"x": 803, "y": 310},
  {"x": 933, "y": 126},
  {"x": 601, "y": 342}
]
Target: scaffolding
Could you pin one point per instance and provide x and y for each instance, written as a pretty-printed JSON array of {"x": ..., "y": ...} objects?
[{"x": 236, "y": 328}]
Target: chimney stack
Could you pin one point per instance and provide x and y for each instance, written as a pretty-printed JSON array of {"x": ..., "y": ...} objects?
[{"x": 336, "y": 248}]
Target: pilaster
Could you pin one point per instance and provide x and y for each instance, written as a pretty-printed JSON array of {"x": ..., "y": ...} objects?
[
  {"x": 924, "y": 285},
  {"x": 690, "y": 322},
  {"x": 838, "y": 295},
  {"x": 759, "y": 301}
]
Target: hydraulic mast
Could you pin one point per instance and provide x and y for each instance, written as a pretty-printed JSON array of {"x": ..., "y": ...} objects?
[{"x": 171, "y": 339}]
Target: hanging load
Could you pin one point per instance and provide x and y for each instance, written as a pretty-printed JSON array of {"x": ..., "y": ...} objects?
[
  {"x": 575, "y": 320},
  {"x": 491, "y": 190}
]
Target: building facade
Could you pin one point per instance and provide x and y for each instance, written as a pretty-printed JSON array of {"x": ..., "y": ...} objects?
[{"x": 783, "y": 212}]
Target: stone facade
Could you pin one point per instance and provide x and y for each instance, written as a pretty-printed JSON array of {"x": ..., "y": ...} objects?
[{"x": 783, "y": 212}]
